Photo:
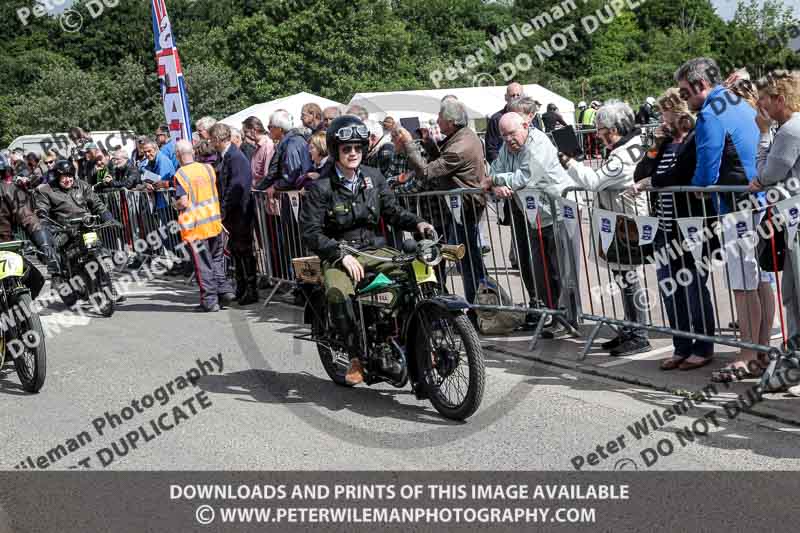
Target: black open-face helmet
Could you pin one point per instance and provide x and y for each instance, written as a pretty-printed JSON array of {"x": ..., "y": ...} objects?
[
  {"x": 63, "y": 168},
  {"x": 552, "y": 108},
  {"x": 346, "y": 130}
]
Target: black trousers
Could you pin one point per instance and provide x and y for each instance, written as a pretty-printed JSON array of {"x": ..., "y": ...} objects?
[{"x": 538, "y": 260}]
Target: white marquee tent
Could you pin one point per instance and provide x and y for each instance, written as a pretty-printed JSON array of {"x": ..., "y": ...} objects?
[
  {"x": 481, "y": 102},
  {"x": 293, "y": 104}
]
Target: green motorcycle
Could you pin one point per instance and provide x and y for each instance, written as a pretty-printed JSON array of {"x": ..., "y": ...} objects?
[
  {"x": 409, "y": 331},
  {"x": 22, "y": 336}
]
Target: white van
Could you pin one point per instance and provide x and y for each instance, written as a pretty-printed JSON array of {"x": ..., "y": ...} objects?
[{"x": 61, "y": 142}]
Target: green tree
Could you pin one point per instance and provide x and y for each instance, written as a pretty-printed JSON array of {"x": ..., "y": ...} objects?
[{"x": 613, "y": 49}]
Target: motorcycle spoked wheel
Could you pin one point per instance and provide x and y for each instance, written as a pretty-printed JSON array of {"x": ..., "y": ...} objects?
[
  {"x": 450, "y": 363},
  {"x": 31, "y": 364},
  {"x": 327, "y": 355},
  {"x": 103, "y": 284},
  {"x": 69, "y": 295}
]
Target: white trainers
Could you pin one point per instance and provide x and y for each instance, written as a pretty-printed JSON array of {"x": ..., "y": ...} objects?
[{"x": 794, "y": 391}]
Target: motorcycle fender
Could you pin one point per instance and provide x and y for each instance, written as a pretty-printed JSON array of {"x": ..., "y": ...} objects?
[{"x": 450, "y": 303}]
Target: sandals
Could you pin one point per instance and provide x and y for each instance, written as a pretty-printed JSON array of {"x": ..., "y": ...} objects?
[
  {"x": 672, "y": 363},
  {"x": 731, "y": 373}
]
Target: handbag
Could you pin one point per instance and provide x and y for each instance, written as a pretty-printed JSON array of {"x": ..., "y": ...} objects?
[
  {"x": 766, "y": 260},
  {"x": 625, "y": 248}
]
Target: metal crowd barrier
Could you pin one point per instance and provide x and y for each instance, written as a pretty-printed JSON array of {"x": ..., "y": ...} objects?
[
  {"x": 689, "y": 275},
  {"x": 149, "y": 223},
  {"x": 277, "y": 237},
  {"x": 459, "y": 216},
  {"x": 661, "y": 261}
]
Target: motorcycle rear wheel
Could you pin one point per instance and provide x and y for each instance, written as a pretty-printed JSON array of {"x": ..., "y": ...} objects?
[
  {"x": 335, "y": 371},
  {"x": 445, "y": 346},
  {"x": 31, "y": 365}
]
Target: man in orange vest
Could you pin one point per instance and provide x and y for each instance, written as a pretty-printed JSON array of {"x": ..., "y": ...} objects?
[{"x": 200, "y": 222}]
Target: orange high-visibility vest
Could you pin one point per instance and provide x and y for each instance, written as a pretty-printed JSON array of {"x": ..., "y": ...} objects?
[{"x": 202, "y": 219}]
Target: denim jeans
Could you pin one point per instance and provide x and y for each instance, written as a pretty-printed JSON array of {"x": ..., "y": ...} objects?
[
  {"x": 687, "y": 302},
  {"x": 472, "y": 268}
]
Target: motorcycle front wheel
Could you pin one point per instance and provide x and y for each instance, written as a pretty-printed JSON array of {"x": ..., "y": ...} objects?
[
  {"x": 450, "y": 363},
  {"x": 31, "y": 364},
  {"x": 104, "y": 285}
]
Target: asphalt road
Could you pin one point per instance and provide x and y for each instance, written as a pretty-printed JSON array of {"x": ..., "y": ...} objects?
[{"x": 272, "y": 407}]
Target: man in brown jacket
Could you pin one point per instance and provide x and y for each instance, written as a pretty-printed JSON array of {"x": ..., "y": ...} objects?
[{"x": 459, "y": 165}]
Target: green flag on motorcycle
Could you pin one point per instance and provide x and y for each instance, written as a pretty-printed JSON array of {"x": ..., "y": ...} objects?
[{"x": 378, "y": 283}]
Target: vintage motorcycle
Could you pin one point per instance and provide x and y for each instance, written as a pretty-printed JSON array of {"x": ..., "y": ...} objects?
[
  {"x": 85, "y": 273},
  {"x": 409, "y": 330},
  {"x": 22, "y": 335}
]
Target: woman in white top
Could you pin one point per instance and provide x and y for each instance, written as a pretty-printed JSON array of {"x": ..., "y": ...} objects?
[{"x": 616, "y": 128}]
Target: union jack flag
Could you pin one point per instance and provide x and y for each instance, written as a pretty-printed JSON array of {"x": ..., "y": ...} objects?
[{"x": 173, "y": 87}]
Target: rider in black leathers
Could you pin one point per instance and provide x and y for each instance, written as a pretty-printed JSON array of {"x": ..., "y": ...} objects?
[{"x": 346, "y": 205}]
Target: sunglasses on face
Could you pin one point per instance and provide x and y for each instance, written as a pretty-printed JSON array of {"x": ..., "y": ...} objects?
[
  {"x": 350, "y": 148},
  {"x": 349, "y": 132}
]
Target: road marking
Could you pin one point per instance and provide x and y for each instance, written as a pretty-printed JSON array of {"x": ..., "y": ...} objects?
[
  {"x": 652, "y": 354},
  {"x": 779, "y": 427},
  {"x": 151, "y": 293},
  {"x": 507, "y": 339},
  {"x": 64, "y": 320}
]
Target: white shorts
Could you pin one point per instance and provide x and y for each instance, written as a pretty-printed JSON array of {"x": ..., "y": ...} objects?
[{"x": 741, "y": 262}]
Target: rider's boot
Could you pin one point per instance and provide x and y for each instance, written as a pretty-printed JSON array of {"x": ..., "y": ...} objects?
[
  {"x": 355, "y": 373},
  {"x": 342, "y": 321}
]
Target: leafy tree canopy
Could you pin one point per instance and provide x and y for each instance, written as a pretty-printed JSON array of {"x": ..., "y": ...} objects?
[{"x": 239, "y": 52}]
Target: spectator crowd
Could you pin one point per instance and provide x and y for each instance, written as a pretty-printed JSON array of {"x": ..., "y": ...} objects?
[{"x": 753, "y": 140}]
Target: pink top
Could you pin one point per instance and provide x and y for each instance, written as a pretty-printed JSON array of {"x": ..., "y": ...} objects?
[{"x": 259, "y": 162}]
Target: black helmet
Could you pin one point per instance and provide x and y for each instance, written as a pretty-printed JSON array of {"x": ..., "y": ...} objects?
[
  {"x": 552, "y": 107},
  {"x": 346, "y": 130},
  {"x": 63, "y": 168}
]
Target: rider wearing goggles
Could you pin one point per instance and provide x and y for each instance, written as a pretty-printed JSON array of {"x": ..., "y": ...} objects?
[{"x": 345, "y": 206}]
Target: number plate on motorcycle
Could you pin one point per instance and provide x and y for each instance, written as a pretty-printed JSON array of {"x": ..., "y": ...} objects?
[
  {"x": 90, "y": 238},
  {"x": 384, "y": 298},
  {"x": 10, "y": 265}
]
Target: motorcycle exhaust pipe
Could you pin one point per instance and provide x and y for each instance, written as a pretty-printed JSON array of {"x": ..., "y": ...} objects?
[{"x": 453, "y": 252}]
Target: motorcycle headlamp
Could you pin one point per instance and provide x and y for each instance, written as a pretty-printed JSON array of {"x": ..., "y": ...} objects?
[{"x": 429, "y": 253}]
